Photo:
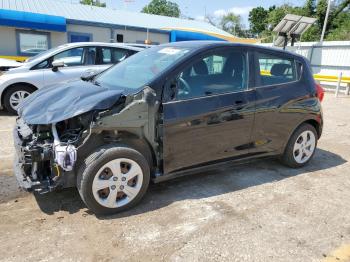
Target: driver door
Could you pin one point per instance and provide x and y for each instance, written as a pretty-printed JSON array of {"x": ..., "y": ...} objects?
[{"x": 208, "y": 111}]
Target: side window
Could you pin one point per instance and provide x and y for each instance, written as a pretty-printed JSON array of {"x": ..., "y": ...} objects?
[
  {"x": 106, "y": 55},
  {"x": 276, "y": 69},
  {"x": 71, "y": 57},
  {"x": 89, "y": 56},
  {"x": 113, "y": 55},
  {"x": 214, "y": 74},
  {"x": 42, "y": 65},
  {"x": 215, "y": 64},
  {"x": 119, "y": 55}
]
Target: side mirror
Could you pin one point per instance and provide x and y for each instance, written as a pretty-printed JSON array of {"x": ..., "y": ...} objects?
[
  {"x": 88, "y": 75},
  {"x": 56, "y": 65}
]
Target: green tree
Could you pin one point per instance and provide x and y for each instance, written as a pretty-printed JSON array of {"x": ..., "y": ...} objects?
[
  {"x": 258, "y": 19},
  {"x": 336, "y": 16},
  {"x": 92, "y": 2},
  {"x": 231, "y": 23},
  {"x": 340, "y": 29},
  {"x": 276, "y": 14},
  {"x": 162, "y": 7},
  {"x": 310, "y": 8}
]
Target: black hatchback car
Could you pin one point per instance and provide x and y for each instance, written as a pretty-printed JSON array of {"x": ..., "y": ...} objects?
[{"x": 167, "y": 111}]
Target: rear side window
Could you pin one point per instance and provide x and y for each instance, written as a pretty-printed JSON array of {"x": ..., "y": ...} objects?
[
  {"x": 113, "y": 55},
  {"x": 275, "y": 69}
]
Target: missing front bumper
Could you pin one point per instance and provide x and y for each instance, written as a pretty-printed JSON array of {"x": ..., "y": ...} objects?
[{"x": 23, "y": 180}]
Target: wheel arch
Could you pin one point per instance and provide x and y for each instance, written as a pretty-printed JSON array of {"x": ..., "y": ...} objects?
[
  {"x": 123, "y": 139},
  {"x": 13, "y": 85},
  {"x": 316, "y": 124},
  {"x": 141, "y": 145}
]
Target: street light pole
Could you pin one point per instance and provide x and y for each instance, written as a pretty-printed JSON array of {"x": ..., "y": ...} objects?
[{"x": 325, "y": 21}]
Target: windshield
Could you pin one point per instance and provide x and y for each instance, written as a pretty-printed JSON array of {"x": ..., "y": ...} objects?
[{"x": 141, "y": 68}]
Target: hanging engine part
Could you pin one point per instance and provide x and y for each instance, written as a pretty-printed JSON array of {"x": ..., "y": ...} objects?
[{"x": 65, "y": 155}]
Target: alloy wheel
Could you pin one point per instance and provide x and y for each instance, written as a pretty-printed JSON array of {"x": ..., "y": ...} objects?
[
  {"x": 17, "y": 97},
  {"x": 304, "y": 147},
  {"x": 117, "y": 183}
]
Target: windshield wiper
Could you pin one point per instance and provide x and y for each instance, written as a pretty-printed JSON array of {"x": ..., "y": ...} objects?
[{"x": 96, "y": 83}]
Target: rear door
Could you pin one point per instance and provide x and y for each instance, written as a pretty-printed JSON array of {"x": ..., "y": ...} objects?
[
  {"x": 280, "y": 94},
  {"x": 209, "y": 116}
]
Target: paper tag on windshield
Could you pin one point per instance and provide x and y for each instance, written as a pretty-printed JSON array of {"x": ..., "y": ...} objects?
[{"x": 169, "y": 51}]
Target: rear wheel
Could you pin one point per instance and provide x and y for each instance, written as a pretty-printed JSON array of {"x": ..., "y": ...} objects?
[
  {"x": 15, "y": 95},
  {"x": 113, "y": 179},
  {"x": 301, "y": 146}
]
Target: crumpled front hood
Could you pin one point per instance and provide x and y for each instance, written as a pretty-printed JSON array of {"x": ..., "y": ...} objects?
[{"x": 60, "y": 102}]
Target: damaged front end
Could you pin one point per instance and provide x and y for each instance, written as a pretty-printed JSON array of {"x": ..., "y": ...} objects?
[
  {"x": 46, "y": 154},
  {"x": 49, "y": 154}
]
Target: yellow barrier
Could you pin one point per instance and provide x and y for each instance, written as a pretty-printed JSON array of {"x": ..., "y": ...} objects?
[
  {"x": 17, "y": 58},
  {"x": 325, "y": 78},
  {"x": 344, "y": 79}
]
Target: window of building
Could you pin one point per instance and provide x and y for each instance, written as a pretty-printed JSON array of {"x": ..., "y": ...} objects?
[
  {"x": 31, "y": 43},
  {"x": 276, "y": 69},
  {"x": 74, "y": 37},
  {"x": 120, "y": 38},
  {"x": 214, "y": 74}
]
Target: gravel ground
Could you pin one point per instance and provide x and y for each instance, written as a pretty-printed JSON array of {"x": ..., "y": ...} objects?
[{"x": 260, "y": 211}]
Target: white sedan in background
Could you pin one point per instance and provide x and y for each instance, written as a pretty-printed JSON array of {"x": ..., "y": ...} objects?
[
  {"x": 6, "y": 64},
  {"x": 63, "y": 63}
]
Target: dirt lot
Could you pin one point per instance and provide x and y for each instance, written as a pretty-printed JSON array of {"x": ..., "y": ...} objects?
[{"x": 260, "y": 211}]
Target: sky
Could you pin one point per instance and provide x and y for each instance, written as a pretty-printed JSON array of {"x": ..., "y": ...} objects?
[{"x": 198, "y": 8}]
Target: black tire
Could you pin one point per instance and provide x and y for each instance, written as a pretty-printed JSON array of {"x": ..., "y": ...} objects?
[
  {"x": 9, "y": 93},
  {"x": 288, "y": 155},
  {"x": 89, "y": 168}
]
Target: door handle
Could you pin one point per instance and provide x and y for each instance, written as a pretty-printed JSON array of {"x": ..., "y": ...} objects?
[{"x": 239, "y": 105}]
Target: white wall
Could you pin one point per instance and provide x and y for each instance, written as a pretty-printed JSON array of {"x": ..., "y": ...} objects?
[
  {"x": 8, "y": 41},
  {"x": 328, "y": 58},
  {"x": 8, "y": 45},
  {"x": 99, "y": 34},
  {"x": 103, "y": 34},
  {"x": 131, "y": 36},
  {"x": 58, "y": 38}
]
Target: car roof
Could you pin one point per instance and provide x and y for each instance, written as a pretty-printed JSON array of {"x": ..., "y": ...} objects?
[
  {"x": 121, "y": 45},
  {"x": 67, "y": 46},
  {"x": 211, "y": 44}
]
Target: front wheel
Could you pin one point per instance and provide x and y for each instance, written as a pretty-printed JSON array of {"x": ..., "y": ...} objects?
[
  {"x": 301, "y": 146},
  {"x": 113, "y": 179},
  {"x": 14, "y": 96}
]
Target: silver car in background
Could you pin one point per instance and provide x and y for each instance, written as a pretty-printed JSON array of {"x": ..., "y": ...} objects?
[{"x": 63, "y": 63}]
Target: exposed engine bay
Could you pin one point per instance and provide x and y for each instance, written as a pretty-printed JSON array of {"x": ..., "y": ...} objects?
[
  {"x": 48, "y": 155},
  {"x": 47, "y": 151}
]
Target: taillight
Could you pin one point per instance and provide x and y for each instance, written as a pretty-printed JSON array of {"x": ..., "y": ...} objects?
[{"x": 319, "y": 92}]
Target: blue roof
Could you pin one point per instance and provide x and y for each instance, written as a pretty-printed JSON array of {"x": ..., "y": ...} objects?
[
  {"x": 101, "y": 15},
  {"x": 32, "y": 20}
]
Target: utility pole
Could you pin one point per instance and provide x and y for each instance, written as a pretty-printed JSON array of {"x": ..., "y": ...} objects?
[{"x": 325, "y": 21}]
